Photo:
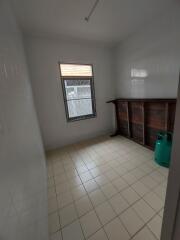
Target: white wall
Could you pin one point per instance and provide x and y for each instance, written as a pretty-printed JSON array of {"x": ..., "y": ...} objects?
[
  {"x": 23, "y": 203},
  {"x": 43, "y": 56},
  {"x": 155, "y": 49}
]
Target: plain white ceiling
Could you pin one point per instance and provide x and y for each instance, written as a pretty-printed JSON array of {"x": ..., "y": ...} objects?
[{"x": 112, "y": 21}]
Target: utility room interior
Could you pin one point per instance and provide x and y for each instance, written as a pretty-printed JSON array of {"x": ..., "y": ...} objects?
[{"x": 89, "y": 120}]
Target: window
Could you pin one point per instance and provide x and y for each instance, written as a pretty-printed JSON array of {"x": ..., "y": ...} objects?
[{"x": 78, "y": 90}]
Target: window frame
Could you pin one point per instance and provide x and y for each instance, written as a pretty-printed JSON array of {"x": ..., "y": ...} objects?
[{"x": 93, "y": 99}]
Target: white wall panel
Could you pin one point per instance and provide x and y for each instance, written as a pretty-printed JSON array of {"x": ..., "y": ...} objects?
[
  {"x": 43, "y": 55},
  {"x": 155, "y": 49},
  {"x": 23, "y": 198}
]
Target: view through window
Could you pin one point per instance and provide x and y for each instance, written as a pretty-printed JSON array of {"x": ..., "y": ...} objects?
[{"x": 78, "y": 89}]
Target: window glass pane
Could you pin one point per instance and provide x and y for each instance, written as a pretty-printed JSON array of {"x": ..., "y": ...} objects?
[
  {"x": 79, "y": 107},
  {"x": 76, "y": 89},
  {"x": 76, "y": 70}
]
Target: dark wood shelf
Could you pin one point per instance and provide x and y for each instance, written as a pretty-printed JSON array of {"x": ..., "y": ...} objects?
[
  {"x": 143, "y": 100},
  {"x": 136, "y": 122},
  {"x": 141, "y": 119}
]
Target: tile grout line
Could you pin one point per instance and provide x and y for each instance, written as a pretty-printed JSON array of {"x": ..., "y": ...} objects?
[
  {"x": 117, "y": 215},
  {"x": 88, "y": 212},
  {"x": 118, "y": 191},
  {"x": 111, "y": 168}
]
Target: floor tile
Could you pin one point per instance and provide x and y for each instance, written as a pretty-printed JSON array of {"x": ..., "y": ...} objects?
[
  {"x": 62, "y": 187},
  {"x": 129, "y": 178},
  {"x": 154, "y": 201},
  {"x": 120, "y": 184},
  {"x": 101, "y": 180},
  {"x": 128, "y": 165},
  {"x": 83, "y": 205},
  {"x": 144, "y": 234},
  {"x": 82, "y": 169},
  {"x": 130, "y": 195},
  {"x": 95, "y": 172},
  {"x": 56, "y": 236},
  {"x": 161, "y": 213},
  {"x": 143, "y": 210},
  {"x": 90, "y": 186},
  {"x": 114, "y": 163},
  {"x": 160, "y": 191},
  {"x": 71, "y": 173},
  {"x": 140, "y": 188},
  {"x": 164, "y": 171},
  {"x": 105, "y": 212},
  {"x": 147, "y": 169},
  {"x": 64, "y": 199},
  {"x": 131, "y": 221},
  {"x": 74, "y": 182},
  {"x": 50, "y": 173},
  {"x": 51, "y": 192},
  {"x": 58, "y": 171},
  {"x": 118, "y": 203},
  {"x": 60, "y": 179},
  {"x": 153, "y": 164},
  {"x": 78, "y": 192},
  {"x": 157, "y": 176},
  {"x": 121, "y": 170},
  {"x": 86, "y": 177},
  {"x": 138, "y": 173},
  {"x": 67, "y": 215},
  {"x": 109, "y": 190},
  {"x": 54, "y": 224},
  {"x": 149, "y": 182},
  {"x": 111, "y": 175},
  {"x": 97, "y": 197},
  {"x": 155, "y": 226},
  {"x": 90, "y": 223},
  {"x": 116, "y": 231},
  {"x": 51, "y": 182},
  {"x": 164, "y": 184},
  {"x": 73, "y": 231},
  {"x": 99, "y": 235},
  {"x": 91, "y": 165},
  {"x": 52, "y": 205}
]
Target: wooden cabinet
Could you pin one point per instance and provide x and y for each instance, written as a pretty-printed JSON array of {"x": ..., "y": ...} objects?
[{"x": 142, "y": 119}]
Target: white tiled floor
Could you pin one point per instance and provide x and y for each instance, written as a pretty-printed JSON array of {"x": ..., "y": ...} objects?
[{"x": 105, "y": 189}]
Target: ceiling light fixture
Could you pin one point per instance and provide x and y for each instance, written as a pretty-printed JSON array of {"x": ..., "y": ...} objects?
[{"x": 92, "y": 10}]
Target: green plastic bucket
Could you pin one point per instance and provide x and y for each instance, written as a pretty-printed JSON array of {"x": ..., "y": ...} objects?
[{"x": 163, "y": 148}]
